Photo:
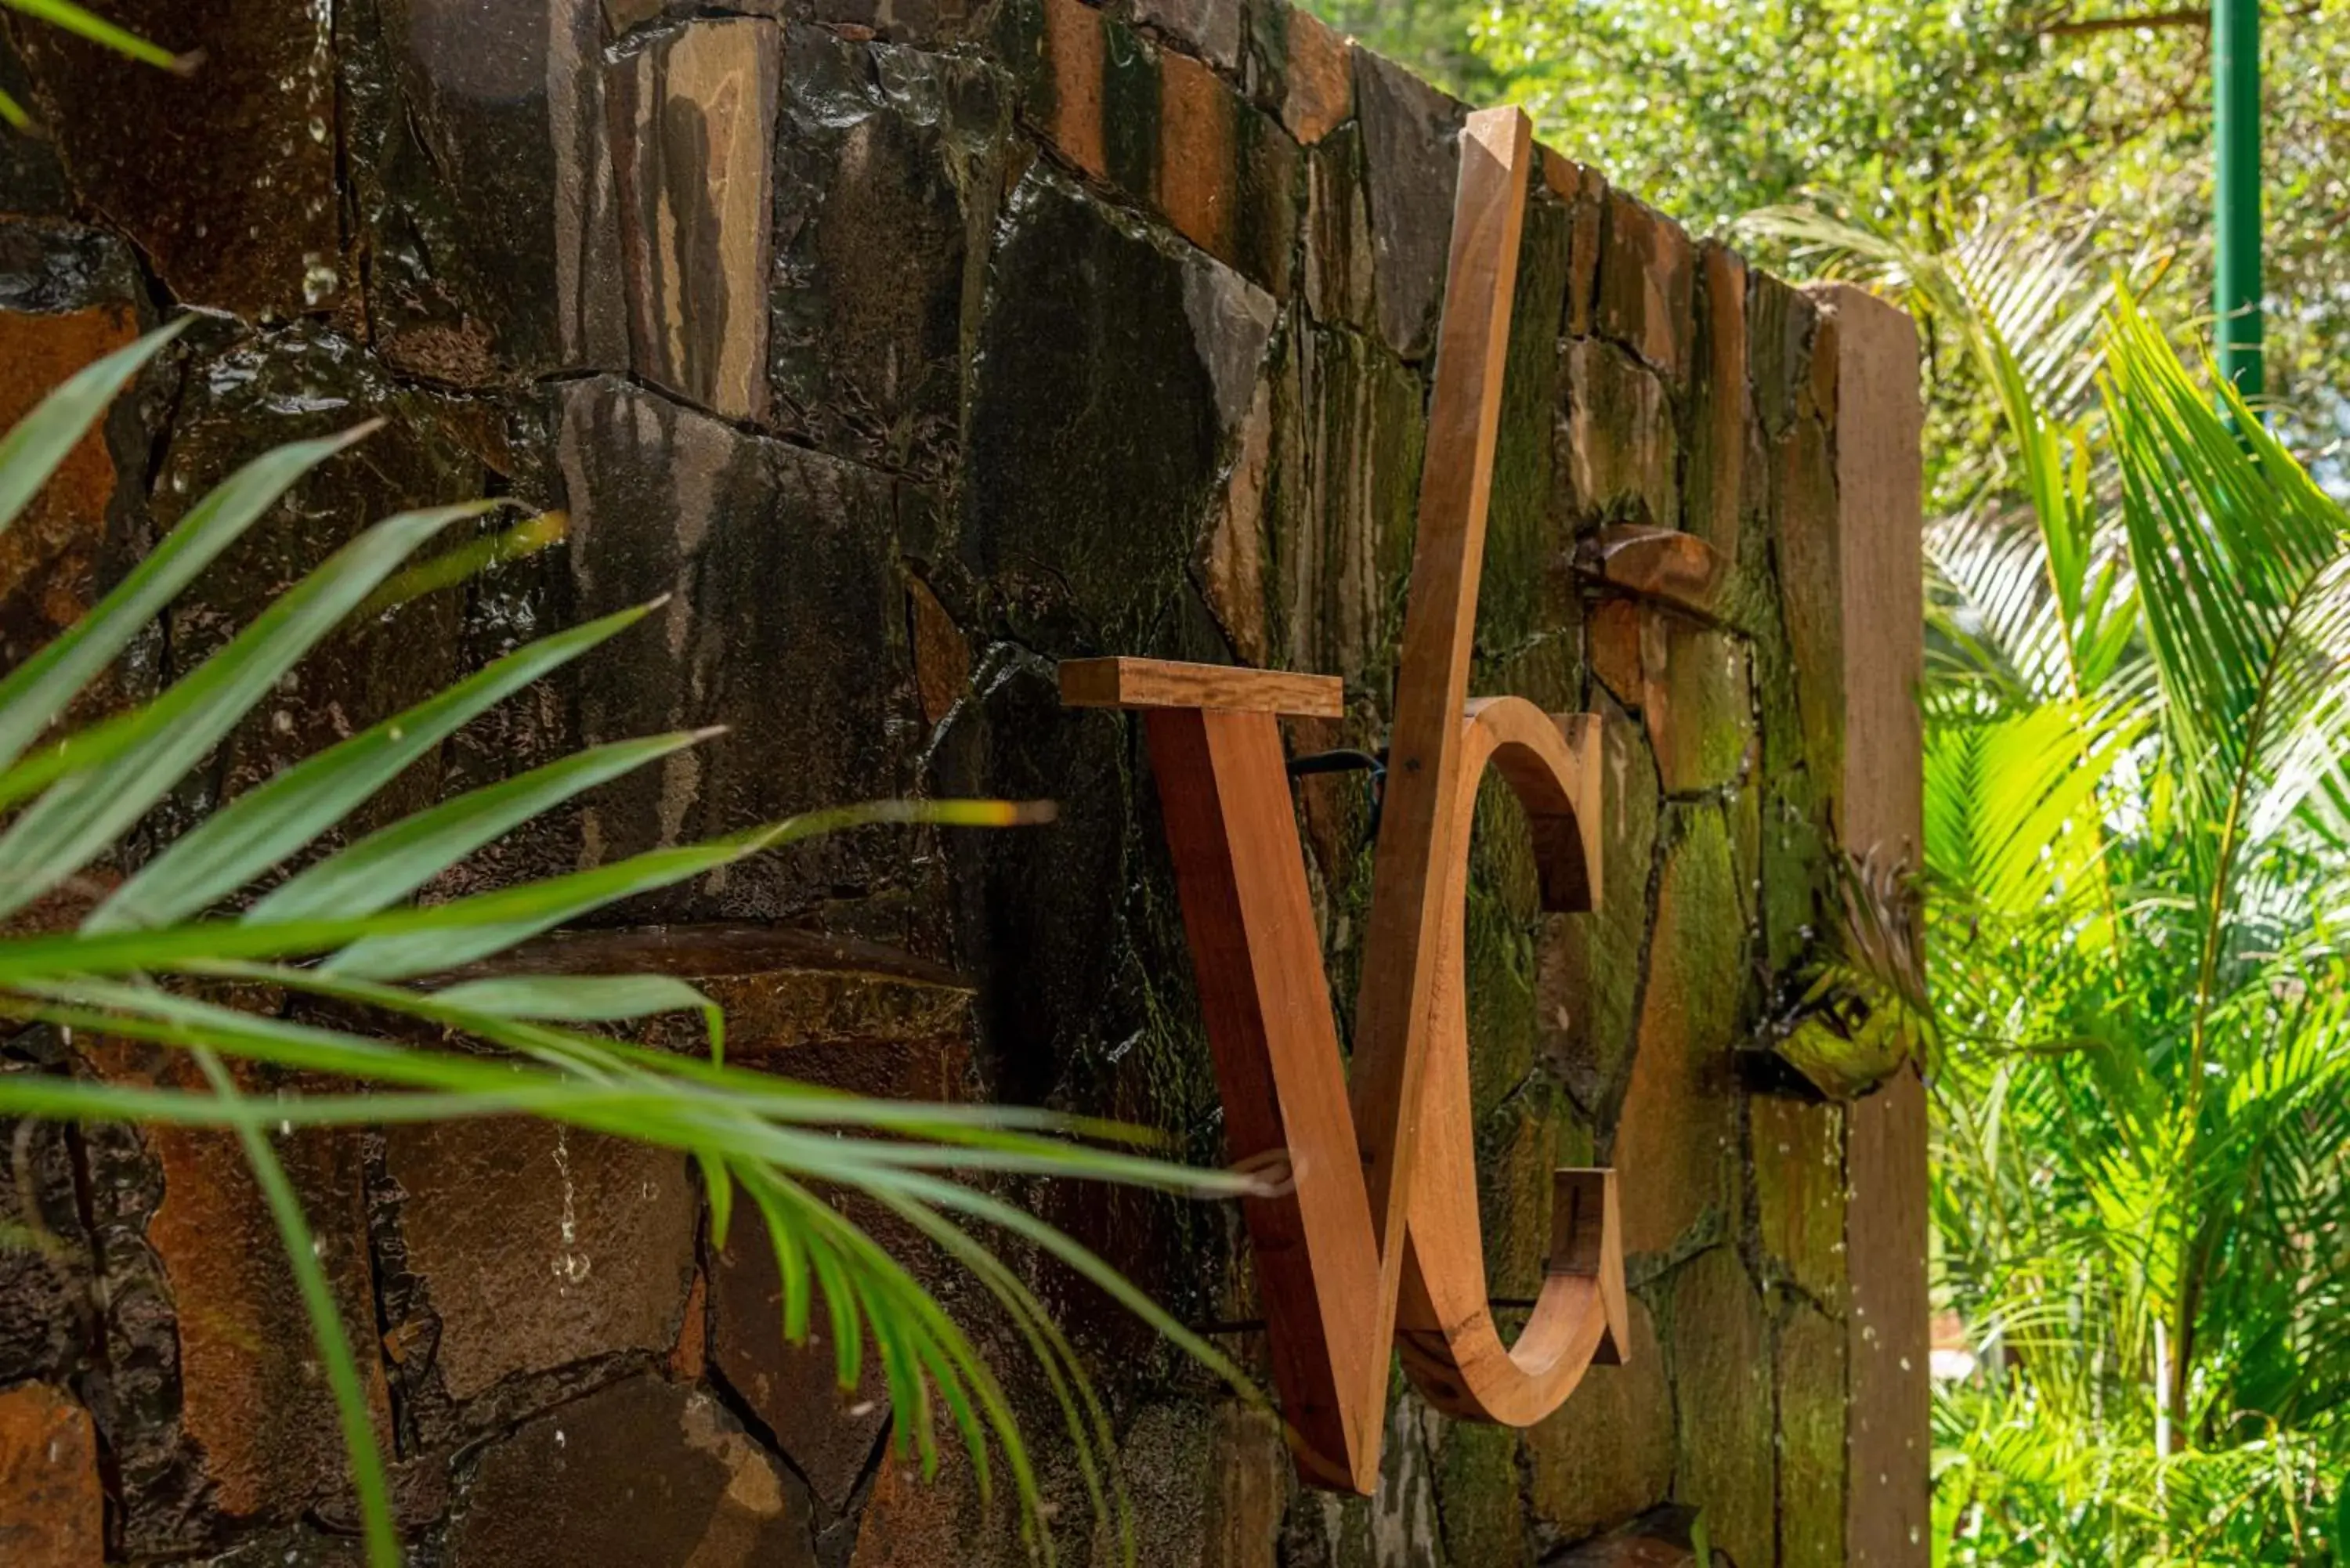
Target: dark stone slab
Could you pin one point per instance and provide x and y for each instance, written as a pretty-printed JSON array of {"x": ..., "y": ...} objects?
[
  {"x": 1208, "y": 28},
  {"x": 47, "y": 1313},
  {"x": 1523, "y": 595},
  {"x": 32, "y": 177},
  {"x": 244, "y": 395},
  {"x": 1411, "y": 136},
  {"x": 889, "y": 172},
  {"x": 786, "y": 623},
  {"x": 1095, "y": 431},
  {"x": 1349, "y": 429},
  {"x": 224, "y": 178},
  {"x": 1338, "y": 247},
  {"x": 484, "y": 187},
  {"x": 643, "y": 1472}
]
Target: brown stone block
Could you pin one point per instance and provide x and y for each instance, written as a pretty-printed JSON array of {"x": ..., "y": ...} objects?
[
  {"x": 693, "y": 128},
  {"x": 942, "y": 652},
  {"x": 1232, "y": 561},
  {"x": 1226, "y": 176},
  {"x": 1622, "y": 450},
  {"x": 1074, "y": 51},
  {"x": 1698, "y": 699},
  {"x": 1616, "y": 657},
  {"x": 643, "y": 1473},
  {"x": 1587, "y": 967},
  {"x": 587, "y": 1248},
  {"x": 827, "y": 1431},
  {"x": 1721, "y": 1373},
  {"x": 51, "y": 556},
  {"x": 910, "y": 1522},
  {"x": 1607, "y": 1453},
  {"x": 254, "y": 1400},
  {"x": 1209, "y": 28},
  {"x": 1663, "y": 564},
  {"x": 1799, "y": 1184},
  {"x": 1811, "y": 1387},
  {"x": 836, "y": 1011},
  {"x": 52, "y": 1506},
  {"x": 1718, "y": 402},
  {"x": 1318, "y": 83},
  {"x": 1676, "y": 1142},
  {"x": 1647, "y": 271}
]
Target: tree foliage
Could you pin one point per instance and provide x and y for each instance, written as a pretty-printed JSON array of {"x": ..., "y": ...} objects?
[
  {"x": 1896, "y": 114},
  {"x": 2138, "y": 718}
]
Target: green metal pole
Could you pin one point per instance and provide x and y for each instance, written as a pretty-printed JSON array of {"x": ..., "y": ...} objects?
[{"x": 2236, "y": 179}]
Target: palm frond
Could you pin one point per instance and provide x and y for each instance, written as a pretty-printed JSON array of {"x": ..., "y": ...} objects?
[{"x": 414, "y": 1041}]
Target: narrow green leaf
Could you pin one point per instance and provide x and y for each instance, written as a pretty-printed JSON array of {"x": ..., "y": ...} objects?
[
  {"x": 448, "y": 569},
  {"x": 73, "y": 19},
  {"x": 14, "y": 114},
  {"x": 264, "y": 826},
  {"x": 393, "y": 862},
  {"x": 587, "y": 999},
  {"x": 503, "y": 919},
  {"x": 81, "y": 815},
  {"x": 32, "y": 450},
  {"x": 37, "y": 690}
]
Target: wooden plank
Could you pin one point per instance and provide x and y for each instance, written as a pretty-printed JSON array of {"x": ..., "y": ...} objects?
[
  {"x": 1880, "y": 803},
  {"x": 1240, "y": 875},
  {"x": 1161, "y": 683},
  {"x": 1417, "y": 831}
]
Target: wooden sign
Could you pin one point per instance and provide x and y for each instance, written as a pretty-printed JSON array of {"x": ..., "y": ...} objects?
[{"x": 1375, "y": 1242}]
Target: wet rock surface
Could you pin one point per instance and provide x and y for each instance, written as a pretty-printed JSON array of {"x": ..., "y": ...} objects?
[{"x": 899, "y": 348}]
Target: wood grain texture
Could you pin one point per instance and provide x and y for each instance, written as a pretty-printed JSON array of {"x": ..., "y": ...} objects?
[
  {"x": 1880, "y": 804},
  {"x": 1240, "y": 873},
  {"x": 1376, "y": 1237},
  {"x": 1416, "y": 829},
  {"x": 1451, "y": 1347},
  {"x": 1140, "y": 683}
]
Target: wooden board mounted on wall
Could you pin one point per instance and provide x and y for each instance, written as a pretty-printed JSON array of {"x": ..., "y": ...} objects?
[{"x": 1374, "y": 1241}]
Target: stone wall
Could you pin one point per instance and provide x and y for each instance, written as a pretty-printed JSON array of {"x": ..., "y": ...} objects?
[{"x": 912, "y": 346}]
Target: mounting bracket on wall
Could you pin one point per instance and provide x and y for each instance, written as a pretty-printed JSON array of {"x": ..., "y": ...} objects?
[{"x": 1376, "y": 1241}]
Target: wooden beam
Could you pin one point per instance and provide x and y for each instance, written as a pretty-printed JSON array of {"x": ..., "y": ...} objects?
[
  {"x": 1140, "y": 683},
  {"x": 1424, "y": 749},
  {"x": 1879, "y": 805}
]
